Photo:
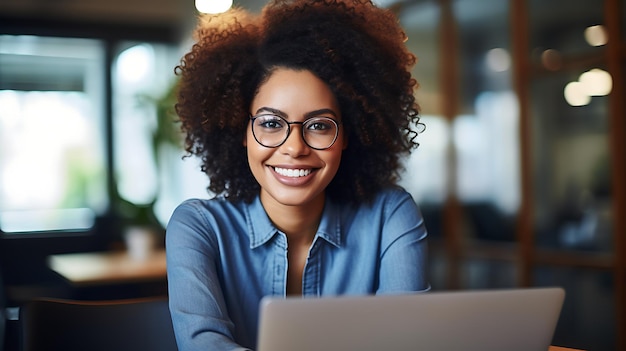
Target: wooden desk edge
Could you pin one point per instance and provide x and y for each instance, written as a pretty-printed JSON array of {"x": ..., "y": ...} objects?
[{"x": 107, "y": 268}]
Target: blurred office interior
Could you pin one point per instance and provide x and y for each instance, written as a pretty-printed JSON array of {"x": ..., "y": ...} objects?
[{"x": 520, "y": 172}]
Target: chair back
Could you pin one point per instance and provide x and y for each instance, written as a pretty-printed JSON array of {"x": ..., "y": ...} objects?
[
  {"x": 122, "y": 325},
  {"x": 3, "y": 318}
]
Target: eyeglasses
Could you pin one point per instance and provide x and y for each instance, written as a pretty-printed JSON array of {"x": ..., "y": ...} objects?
[{"x": 318, "y": 133}]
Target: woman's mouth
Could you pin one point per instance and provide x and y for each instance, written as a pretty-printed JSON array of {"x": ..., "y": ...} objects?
[{"x": 293, "y": 172}]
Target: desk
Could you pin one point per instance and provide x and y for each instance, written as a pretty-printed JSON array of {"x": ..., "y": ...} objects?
[{"x": 100, "y": 268}]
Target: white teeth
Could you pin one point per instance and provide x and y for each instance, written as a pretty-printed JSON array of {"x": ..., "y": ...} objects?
[{"x": 290, "y": 172}]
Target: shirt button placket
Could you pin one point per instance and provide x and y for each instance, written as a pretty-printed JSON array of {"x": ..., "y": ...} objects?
[{"x": 310, "y": 276}]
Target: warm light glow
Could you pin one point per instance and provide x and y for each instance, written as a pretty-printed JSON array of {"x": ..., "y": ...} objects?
[
  {"x": 576, "y": 94},
  {"x": 551, "y": 59},
  {"x": 213, "y": 6},
  {"x": 596, "y": 82},
  {"x": 596, "y": 35},
  {"x": 498, "y": 60}
]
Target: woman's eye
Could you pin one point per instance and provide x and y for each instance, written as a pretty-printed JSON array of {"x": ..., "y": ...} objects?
[
  {"x": 272, "y": 123},
  {"x": 319, "y": 126}
]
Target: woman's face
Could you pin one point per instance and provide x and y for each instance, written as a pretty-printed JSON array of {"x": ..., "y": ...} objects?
[{"x": 293, "y": 173}]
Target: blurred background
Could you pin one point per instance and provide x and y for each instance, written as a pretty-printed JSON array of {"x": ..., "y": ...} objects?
[{"x": 520, "y": 173}]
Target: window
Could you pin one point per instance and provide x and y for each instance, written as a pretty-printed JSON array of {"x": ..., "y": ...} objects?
[
  {"x": 52, "y": 152},
  {"x": 54, "y": 161}
]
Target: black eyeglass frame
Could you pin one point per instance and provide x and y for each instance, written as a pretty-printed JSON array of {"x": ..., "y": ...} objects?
[{"x": 337, "y": 124}]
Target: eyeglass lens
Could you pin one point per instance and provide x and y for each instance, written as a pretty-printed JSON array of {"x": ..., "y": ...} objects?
[{"x": 272, "y": 131}]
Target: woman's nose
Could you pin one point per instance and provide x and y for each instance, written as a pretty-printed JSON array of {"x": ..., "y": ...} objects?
[{"x": 295, "y": 145}]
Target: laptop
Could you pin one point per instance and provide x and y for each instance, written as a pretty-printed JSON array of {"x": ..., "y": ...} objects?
[{"x": 485, "y": 320}]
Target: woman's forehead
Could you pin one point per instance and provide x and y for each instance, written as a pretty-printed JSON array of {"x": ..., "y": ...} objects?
[{"x": 294, "y": 94}]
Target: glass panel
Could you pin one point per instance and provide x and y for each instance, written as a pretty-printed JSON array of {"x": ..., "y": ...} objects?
[
  {"x": 428, "y": 187},
  {"x": 485, "y": 134},
  {"x": 488, "y": 274},
  {"x": 564, "y": 29},
  {"x": 135, "y": 86},
  {"x": 426, "y": 171},
  {"x": 149, "y": 168},
  {"x": 569, "y": 114},
  {"x": 420, "y": 20},
  {"x": 52, "y": 150},
  {"x": 571, "y": 163},
  {"x": 588, "y": 318}
]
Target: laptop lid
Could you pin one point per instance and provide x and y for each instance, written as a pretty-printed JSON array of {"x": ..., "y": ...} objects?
[{"x": 512, "y": 319}]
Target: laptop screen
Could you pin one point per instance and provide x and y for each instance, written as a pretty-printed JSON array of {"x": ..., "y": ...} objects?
[{"x": 512, "y": 319}]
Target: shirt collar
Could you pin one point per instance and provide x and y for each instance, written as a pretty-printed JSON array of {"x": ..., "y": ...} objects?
[
  {"x": 330, "y": 225},
  {"x": 261, "y": 229}
]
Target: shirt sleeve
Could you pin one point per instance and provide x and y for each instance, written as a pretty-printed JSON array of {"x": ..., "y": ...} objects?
[
  {"x": 197, "y": 305},
  {"x": 403, "y": 260}
]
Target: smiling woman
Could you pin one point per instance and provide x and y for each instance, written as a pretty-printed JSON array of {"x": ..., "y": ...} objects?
[{"x": 300, "y": 117}]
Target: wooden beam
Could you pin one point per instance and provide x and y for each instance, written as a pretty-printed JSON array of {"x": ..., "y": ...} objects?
[
  {"x": 449, "y": 80},
  {"x": 521, "y": 83},
  {"x": 617, "y": 139}
]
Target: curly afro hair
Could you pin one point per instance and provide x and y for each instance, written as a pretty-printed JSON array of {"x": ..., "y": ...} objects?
[{"x": 355, "y": 47}]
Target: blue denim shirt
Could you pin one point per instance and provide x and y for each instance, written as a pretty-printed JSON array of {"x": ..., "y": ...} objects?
[{"x": 223, "y": 257}]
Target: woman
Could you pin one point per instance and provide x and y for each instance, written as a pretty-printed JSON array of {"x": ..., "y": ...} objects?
[{"x": 300, "y": 117}]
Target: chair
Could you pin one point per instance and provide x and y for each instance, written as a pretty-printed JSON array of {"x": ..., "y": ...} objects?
[
  {"x": 3, "y": 320},
  {"x": 121, "y": 325}
]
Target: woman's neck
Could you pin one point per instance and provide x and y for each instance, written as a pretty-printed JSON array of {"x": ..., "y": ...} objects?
[{"x": 299, "y": 223}]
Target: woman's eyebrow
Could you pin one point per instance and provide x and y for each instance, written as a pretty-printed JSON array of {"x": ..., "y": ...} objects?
[
  {"x": 323, "y": 111},
  {"x": 272, "y": 111}
]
